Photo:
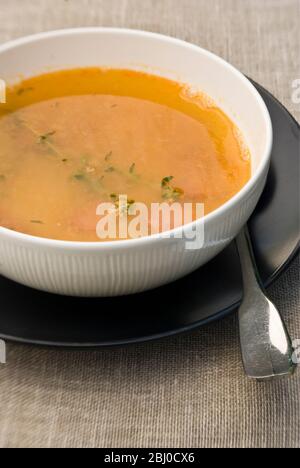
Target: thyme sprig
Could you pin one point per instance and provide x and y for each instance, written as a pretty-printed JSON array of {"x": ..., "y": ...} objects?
[{"x": 169, "y": 192}]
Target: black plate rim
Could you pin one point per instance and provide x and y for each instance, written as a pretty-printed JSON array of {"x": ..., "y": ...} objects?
[
  {"x": 157, "y": 336},
  {"x": 178, "y": 331}
]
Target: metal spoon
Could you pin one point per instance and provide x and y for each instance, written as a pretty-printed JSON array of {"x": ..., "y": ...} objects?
[{"x": 266, "y": 346}]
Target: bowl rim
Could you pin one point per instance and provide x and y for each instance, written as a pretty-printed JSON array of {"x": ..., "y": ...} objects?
[{"x": 221, "y": 210}]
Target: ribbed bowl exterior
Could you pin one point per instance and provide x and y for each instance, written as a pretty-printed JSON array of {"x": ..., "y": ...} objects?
[{"x": 118, "y": 270}]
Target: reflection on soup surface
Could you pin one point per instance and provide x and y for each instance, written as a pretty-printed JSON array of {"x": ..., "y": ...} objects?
[{"x": 73, "y": 139}]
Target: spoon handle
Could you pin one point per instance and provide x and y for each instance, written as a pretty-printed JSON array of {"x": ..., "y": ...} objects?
[{"x": 265, "y": 343}]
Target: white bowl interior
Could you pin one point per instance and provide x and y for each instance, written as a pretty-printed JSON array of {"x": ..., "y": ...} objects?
[{"x": 150, "y": 52}]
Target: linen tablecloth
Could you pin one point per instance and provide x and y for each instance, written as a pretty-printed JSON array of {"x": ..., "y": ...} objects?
[{"x": 187, "y": 391}]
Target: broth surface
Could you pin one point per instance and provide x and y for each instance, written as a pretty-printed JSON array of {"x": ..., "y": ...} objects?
[{"x": 70, "y": 140}]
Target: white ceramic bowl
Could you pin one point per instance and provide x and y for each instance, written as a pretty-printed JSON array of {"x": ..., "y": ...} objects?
[{"x": 130, "y": 266}]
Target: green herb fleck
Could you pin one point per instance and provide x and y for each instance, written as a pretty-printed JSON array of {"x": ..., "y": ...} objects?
[
  {"x": 130, "y": 203},
  {"x": 44, "y": 138},
  {"x": 21, "y": 91},
  {"x": 168, "y": 192},
  {"x": 110, "y": 169},
  {"x": 79, "y": 176},
  {"x": 108, "y": 156},
  {"x": 123, "y": 208},
  {"x": 178, "y": 192},
  {"x": 126, "y": 208},
  {"x": 132, "y": 168},
  {"x": 166, "y": 181},
  {"x": 172, "y": 194}
]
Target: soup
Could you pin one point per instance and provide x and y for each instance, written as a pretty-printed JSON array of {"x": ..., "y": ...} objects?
[{"x": 74, "y": 139}]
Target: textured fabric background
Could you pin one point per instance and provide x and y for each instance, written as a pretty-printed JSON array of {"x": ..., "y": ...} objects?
[{"x": 188, "y": 391}]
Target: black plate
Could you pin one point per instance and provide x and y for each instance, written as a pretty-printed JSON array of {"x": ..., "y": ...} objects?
[{"x": 210, "y": 293}]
